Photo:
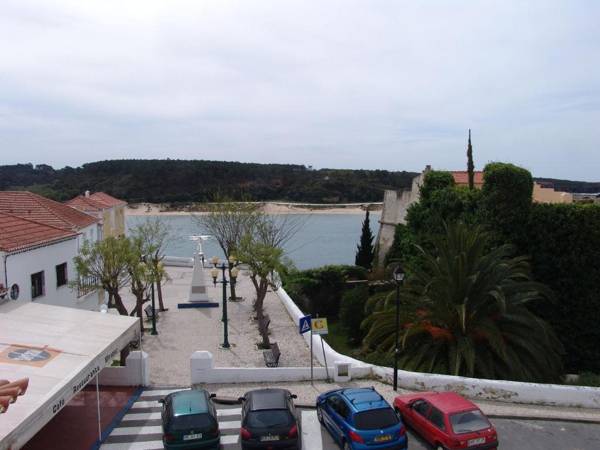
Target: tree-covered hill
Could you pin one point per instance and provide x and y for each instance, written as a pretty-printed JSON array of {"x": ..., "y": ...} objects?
[{"x": 184, "y": 181}]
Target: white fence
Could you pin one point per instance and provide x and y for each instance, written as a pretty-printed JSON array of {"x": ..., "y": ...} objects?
[{"x": 136, "y": 372}]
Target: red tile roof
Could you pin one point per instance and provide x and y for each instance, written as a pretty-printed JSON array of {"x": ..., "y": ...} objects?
[
  {"x": 86, "y": 204},
  {"x": 108, "y": 200},
  {"x": 462, "y": 178},
  {"x": 18, "y": 233},
  {"x": 40, "y": 209}
]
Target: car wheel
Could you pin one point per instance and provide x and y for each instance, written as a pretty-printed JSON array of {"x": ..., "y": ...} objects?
[
  {"x": 347, "y": 446},
  {"x": 320, "y": 414},
  {"x": 439, "y": 447}
]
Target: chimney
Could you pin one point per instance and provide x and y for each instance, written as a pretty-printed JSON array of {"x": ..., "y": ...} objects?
[
  {"x": 87, "y": 193},
  {"x": 427, "y": 168}
]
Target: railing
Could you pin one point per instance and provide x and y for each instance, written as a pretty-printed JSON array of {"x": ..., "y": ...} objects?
[{"x": 86, "y": 285}]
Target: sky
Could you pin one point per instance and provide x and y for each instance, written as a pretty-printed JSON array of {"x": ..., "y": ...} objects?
[{"x": 371, "y": 84}]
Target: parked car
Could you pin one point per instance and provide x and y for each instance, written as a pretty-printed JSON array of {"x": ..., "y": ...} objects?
[
  {"x": 189, "y": 420},
  {"x": 447, "y": 421},
  {"x": 269, "y": 420},
  {"x": 361, "y": 419}
]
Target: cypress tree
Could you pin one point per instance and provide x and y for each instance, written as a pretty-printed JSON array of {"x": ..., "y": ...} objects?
[
  {"x": 470, "y": 165},
  {"x": 365, "y": 251}
]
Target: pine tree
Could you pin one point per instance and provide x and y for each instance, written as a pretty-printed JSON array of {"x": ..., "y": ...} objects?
[
  {"x": 470, "y": 165},
  {"x": 365, "y": 251}
]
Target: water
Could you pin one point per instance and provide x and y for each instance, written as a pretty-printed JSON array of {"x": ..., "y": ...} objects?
[{"x": 323, "y": 239}]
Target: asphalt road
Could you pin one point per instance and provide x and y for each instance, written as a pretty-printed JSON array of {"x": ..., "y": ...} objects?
[{"x": 141, "y": 429}]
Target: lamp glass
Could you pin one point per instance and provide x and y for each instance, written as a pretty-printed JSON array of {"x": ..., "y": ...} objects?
[
  {"x": 234, "y": 272},
  {"x": 232, "y": 259},
  {"x": 214, "y": 273},
  {"x": 214, "y": 260},
  {"x": 398, "y": 274}
]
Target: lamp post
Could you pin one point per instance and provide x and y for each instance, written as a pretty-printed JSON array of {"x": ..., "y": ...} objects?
[
  {"x": 215, "y": 273},
  {"x": 398, "y": 278}
]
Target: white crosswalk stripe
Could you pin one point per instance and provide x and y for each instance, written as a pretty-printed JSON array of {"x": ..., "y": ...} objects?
[{"x": 311, "y": 431}]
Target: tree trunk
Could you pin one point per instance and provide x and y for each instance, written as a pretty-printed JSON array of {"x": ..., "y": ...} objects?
[
  {"x": 119, "y": 303},
  {"x": 138, "y": 307},
  {"x": 161, "y": 306},
  {"x": 232, "y": 287},
  {"x": 261, "y": 293}
]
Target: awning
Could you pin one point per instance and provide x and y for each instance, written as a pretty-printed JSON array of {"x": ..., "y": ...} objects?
[{"x": 60, "y": 350}]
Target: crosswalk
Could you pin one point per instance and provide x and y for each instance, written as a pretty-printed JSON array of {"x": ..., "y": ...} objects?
[{"x": 141, "y": 427}]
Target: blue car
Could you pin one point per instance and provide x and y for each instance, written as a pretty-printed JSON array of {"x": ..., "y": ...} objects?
[{"x": 360, "y": 419}]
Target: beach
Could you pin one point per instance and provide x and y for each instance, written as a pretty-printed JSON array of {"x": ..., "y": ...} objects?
[{"x": 154, "y": 209}]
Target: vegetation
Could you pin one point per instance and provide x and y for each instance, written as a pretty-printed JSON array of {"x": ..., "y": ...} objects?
[
  {"x": 365, "y": 252},
  {"x": 319, "y": 291},
  {"x": 352, "y": 310},
  {"x": 469, "y": 314},
  {"x": 184, "y": 181}
]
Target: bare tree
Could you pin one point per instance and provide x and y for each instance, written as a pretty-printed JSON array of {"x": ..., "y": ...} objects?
[
  {"x": 155, "y": 235},
  {"x": 228, "y": 222},
  {"x": 261, "y": 250}
]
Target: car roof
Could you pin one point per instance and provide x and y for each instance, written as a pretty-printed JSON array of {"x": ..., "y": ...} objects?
[
  {"x": 184, "y": 403},
  {"x": 363, "y": 399},
  {"x": 261, "y": 399},
  {"x": 448, "y": 402}
]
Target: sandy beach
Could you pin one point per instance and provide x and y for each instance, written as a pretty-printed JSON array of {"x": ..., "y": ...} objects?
[{"x": 153, "y": 209}]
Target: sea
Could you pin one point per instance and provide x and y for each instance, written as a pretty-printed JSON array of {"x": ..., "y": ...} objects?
[{"x": 322, "y": 239}]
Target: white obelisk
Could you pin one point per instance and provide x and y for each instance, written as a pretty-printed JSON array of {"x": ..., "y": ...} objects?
[{"x": 198, "y": 290}]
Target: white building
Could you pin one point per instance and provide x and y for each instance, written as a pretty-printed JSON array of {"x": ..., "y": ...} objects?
[{"x": 39, "y": 239}]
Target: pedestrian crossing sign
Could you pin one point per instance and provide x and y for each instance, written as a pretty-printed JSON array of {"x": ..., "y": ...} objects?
[{"x": 304, "y": 324}]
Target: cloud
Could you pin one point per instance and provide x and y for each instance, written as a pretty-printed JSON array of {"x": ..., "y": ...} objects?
[{"x": 343, "y": 83}]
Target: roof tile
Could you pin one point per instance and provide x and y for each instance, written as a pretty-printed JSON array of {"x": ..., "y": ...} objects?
[{"x": 18, "y": 233}]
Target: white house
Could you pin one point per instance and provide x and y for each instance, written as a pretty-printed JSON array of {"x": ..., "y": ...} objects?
[{"x": 39, "y": 239}]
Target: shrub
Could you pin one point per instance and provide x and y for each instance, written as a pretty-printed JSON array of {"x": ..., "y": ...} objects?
[
  {"x": 319, "y": 291},
  {"x": 352, "y": 312}
]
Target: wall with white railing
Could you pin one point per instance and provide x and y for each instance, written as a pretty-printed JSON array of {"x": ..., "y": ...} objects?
[
  {"x": 135, "y": 372},
  {"x": 498, "y": 390}
]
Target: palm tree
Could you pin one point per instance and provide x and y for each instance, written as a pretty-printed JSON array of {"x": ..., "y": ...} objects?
[{"x": 465, "y": 313}]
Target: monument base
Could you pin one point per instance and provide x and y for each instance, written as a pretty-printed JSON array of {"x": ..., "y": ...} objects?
[{"x": 198, "y": 305}]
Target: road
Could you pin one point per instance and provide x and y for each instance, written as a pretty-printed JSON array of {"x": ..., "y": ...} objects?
[{"x": 140, "y": 429}]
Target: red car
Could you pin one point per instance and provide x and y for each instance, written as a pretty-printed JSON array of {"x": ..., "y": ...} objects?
[{"x": 447, "y": 421}]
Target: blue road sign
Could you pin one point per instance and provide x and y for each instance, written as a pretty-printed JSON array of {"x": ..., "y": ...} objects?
[{"x": 305, "y": 324}]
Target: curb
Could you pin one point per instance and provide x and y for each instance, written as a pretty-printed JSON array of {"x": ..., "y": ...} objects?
[{"x": 590, "y": 421}]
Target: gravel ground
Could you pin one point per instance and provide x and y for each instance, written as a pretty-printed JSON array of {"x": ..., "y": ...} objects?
[{"x": 183, "y": 331}]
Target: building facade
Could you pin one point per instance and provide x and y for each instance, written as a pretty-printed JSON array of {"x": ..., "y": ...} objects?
[{"x": 108, "y": 210}]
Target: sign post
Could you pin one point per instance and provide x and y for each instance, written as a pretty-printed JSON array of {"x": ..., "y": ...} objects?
[
  {"x": 305, "y": 325},
  {"x": 319, "y": 326}
]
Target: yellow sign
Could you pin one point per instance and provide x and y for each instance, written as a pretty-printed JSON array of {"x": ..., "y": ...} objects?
[{"x": 319, "y": 326}]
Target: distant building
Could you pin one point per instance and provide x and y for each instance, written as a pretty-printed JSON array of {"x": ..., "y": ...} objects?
[{"x": 109, "y": 210}]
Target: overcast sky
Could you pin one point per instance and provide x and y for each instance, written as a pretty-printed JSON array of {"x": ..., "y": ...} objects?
[{"x": 346, "y": 84}]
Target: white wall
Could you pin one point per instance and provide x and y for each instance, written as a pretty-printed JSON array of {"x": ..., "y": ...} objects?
[
  {"x": 498, "y": 390},
  {"x": 20, "y": 267}
]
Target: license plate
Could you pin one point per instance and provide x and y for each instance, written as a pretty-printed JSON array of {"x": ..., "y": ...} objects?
[
  {"x": 477, "y": 441},
  {"x": 384, "y": 438},
  {"x": 269, "y": 437},
  {"x": 190, "y": 437}
]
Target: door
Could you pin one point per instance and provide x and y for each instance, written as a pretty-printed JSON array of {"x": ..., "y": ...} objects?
[{"x": 419, "y": 412}]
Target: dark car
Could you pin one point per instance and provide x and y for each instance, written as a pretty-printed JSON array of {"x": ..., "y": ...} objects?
[
  {"x": 447, "y": 421},
  {"x": 269, "y": 420},
  {"x": 189, "y": 420},
  {"x": 361, "y": 419}
]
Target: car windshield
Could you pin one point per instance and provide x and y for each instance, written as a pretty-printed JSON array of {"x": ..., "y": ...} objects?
[
  {"x": 191, "y": 421},
  {"x": 269, "y": 418},
  {"x": 469, "y": 421},
  {"x": 375, "y": 419}
]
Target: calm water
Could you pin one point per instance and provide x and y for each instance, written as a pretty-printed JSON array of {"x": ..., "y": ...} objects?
[{"x": 324, "y": 238}]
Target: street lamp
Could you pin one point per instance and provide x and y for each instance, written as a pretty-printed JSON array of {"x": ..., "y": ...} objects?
[
  {"x": 215, "y": 273},
  {"x": 398, "y": 278}
]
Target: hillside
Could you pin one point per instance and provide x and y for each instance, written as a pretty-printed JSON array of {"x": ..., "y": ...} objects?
[{"x": 183, "y": 181}]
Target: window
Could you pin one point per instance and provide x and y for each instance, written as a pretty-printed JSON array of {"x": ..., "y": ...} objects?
[
  {"x": 375, "y": 419},
  {"x": 437, "y": 418},
  {"x": 61, "y": 274},
  {"x": 421, "y": 407},
  {"x": 37, "y": 284},
  {"x": 469, "y": 421}
]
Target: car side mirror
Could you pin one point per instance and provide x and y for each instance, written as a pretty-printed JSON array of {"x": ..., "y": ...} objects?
[
  {"x": 161, "y": 401},
  {"x": 241, "y": 399},
  {"x": 213, "y": 395},
  {"x": 294, "y": 396}
]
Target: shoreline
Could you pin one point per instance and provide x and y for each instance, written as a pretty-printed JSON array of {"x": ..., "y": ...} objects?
[{"x": 155, "y": 209}]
